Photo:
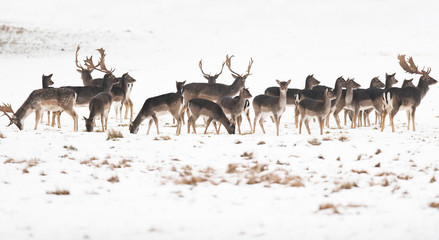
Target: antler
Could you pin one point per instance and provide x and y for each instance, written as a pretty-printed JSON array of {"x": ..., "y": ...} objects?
[
  {"x": 222, "y": 67},
  {"x": 411, "y": 67},
  {"x": 5, "y": 108},
  {"x": 201, "y": 67},
  {"x": 229, "y": 64},
  {"x": 101, "y": 63},
  {"x": 76, "y": 58},
  {"x": 249, "y": 66}
]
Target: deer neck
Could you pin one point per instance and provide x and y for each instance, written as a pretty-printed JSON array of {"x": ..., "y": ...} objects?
[
  {"x": 236, "y": 86},
  {"x": 107, "y": 85},
  {"x": 389, "y": 84},
  {"x": 338, "y": 91},
  {"x": 349, "y": 95},
  {"x": 308, "y": 84},
  {"x": 45, "y": 84},
  {"x": 282, "y": 97},
  {"x": 86, "y": 79},
  {"x": 423, "y": 88}
]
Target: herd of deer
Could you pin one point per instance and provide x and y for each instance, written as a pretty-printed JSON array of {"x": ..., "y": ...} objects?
[{"x": 219, "y": 104}]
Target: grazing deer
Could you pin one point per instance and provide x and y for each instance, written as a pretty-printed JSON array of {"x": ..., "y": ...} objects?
[
  {"x": 407, "y": 98},
  {"x": 167, "y": 103},
  {"x": 201, "y": 107},
  {"x": 40, "y": 100},
  {"x": 210, "y": 78},
  {"x": 310, "y": 108},
  {"x": 368, "y": 98},
  {"x": 120, "y": 92},
  {"x": 264, "y": 105},
  {"x": 234, "y": 107},
  {"x": 345, "y": 99},
  {"x": 99, "y": 106},
  {"x": 310, "y": 82}
]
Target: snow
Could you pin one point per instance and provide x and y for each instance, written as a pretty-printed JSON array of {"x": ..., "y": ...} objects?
[{"x": 227, "y": 186}]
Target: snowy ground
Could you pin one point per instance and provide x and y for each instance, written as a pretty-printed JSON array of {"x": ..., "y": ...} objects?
[{"x": 346, "y": 184}]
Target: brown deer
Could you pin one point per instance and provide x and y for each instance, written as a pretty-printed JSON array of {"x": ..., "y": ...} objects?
[
  {"x": 85, "y": 72},
  {"x": 345, "y": 99},
  {"x": 47, "y": 83},
  {"x": 120, "y": 93},
  {"x": 310, "y": 82},
  {"x": 310, "y": 108},
  {"x": 408, "y": 83},
  {"x": 167, "y": 103},
  {"x": 210, "y": 78},
  {"x": 407, "y": 98},
  {"x": 202, "y": 107},
  {"x": 234, "y": 107},
  {"x": 40, "y": 100},
  {"x": 216, "y": 91},
  {"x": 99, "y": 106},
  {"x": 265, "y": 105}
]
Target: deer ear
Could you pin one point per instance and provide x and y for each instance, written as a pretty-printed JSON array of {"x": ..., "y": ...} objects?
[
  {"x": 289, "y": 80},
  {"x": 184, "y": 81},
  {"x": 50, "y": 75},
  {"x": 85, "y": 118},
  {"x": 278, "y": 82},
  {"x": 79, "y": 70}
]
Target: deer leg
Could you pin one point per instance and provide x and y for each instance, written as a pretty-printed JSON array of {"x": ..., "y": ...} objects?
[
  {"x": 257, "y": 116},
  {"x": 38, "y": 114},
  {"x": 58, "y": 117},
  {"x": 103, "y": 122},
  {"x": 248, "y": 118},
  {"x": 383, "y": 119},
  {"x": 337, "y": 119},
  {"x": 177, "y": 117},
  {"x": 156, "y": 121},
  {"x": 74, "y": 115},
  {"x": 408, "y": 112},
  {"x": 54, "y": 114},
  {"x": 296, "y": 115},
  {"x": 131, "y": 108},
  {"x": 345, "y": 113},
  {"x": 391, "y": 116},
  {"x": 307, "y": 126},
  {"x": 261, "y": 123},
  {"x": 321, "y": 124},
  {"x": 149, "y": 126},
  {"x": 48, "y": 118},
  {"x": 120, "y": 112},
  {"x": 413, "y": 118},
  {"x": 209, "y": 120},
  {"x": 300, "y": 125},
  {"x": 238, "y": 122},
  {"x": 106, "y": 122},
  {"x": 189, "y": 123},
  {"x": 276, "y": 120},
  {"x": 126, "y": 109}
]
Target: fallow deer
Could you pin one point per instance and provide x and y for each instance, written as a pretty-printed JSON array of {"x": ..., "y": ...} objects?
[
  {"x": 210, "y": 78},
  {"x": 85, "y": 72},
  {"x": 120, "y": 93},
  {"x": 40, "y": 100},
  {"x": 202, "y": 107},
  {"x": 264, "y": 105},
  {"x": 345, "y": 98},
  {"x": 99, "y": 106},
  {"x": 367, "y": 98},
  {"x": 408, "y": 83},
  {"x": 407, "y": 98},
  {"x": 167, "y": 103},
  {"x": 47, "y": 83},
  {"x": 234, "y": 107},
  {"x": 310, "y": 108},
  {"x": 310, "y": 82}
]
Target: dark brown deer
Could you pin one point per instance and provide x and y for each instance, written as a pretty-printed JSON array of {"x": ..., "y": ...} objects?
[
  {"x": 345, "y": 98},
  {"x": 201, "y": 107},
  {"x": 310, "y": 82},
  {"x": 265, "y": 105},
  {"x": 40, "y": 100},
  {"x": 310, "y": 108},
  {"x": 47, "y": 83},
  {"x": 167, "y": 103},
  {"x": 235, "y": 107},
  {"x": 340, "y": 83},
  {"x": 374, "y": 83},
  {"x": 210, "y": 78},
  {"x": 407, "y": 98},
  {"x": 408, "y": 83},
  {"x": 99, "y": 106},
  {"x": 86, "y": 77}
]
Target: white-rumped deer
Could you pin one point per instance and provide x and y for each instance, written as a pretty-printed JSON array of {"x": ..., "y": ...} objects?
[
  {"x": 310, "y": 108},
  {"x": 234, "y": 107},
  {"x": 100, "y": 105},
  {"x": 40, "y": 100},
  {"x": 202, "y": 107},
  {"x": 167, "y": 103},
  {"x": 265, "y": 105},
  {"x": 210, "y": 78},
  {"x": 407, "y": 98}
]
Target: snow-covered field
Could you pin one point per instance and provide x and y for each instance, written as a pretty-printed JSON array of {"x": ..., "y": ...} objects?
[{"x": 346, "y": 184}]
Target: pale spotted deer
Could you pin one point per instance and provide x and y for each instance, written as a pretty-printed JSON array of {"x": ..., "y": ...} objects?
[{"x": 265, "y": 105}]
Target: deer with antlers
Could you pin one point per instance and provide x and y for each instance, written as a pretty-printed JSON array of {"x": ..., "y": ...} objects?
[
  {"x": 210, "y": 78},
  {"x": 407, "y": 98},
  {"x": 40, "y": 100}
]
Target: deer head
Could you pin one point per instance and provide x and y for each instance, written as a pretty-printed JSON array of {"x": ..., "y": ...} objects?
[
  {"x": 47, "y": 80},
  {"x": 235, "y": 74},
  {"x": 210, "y": 78},
  {"x": 411, "y": 67},
  {"x": 376, "y": 83}
]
